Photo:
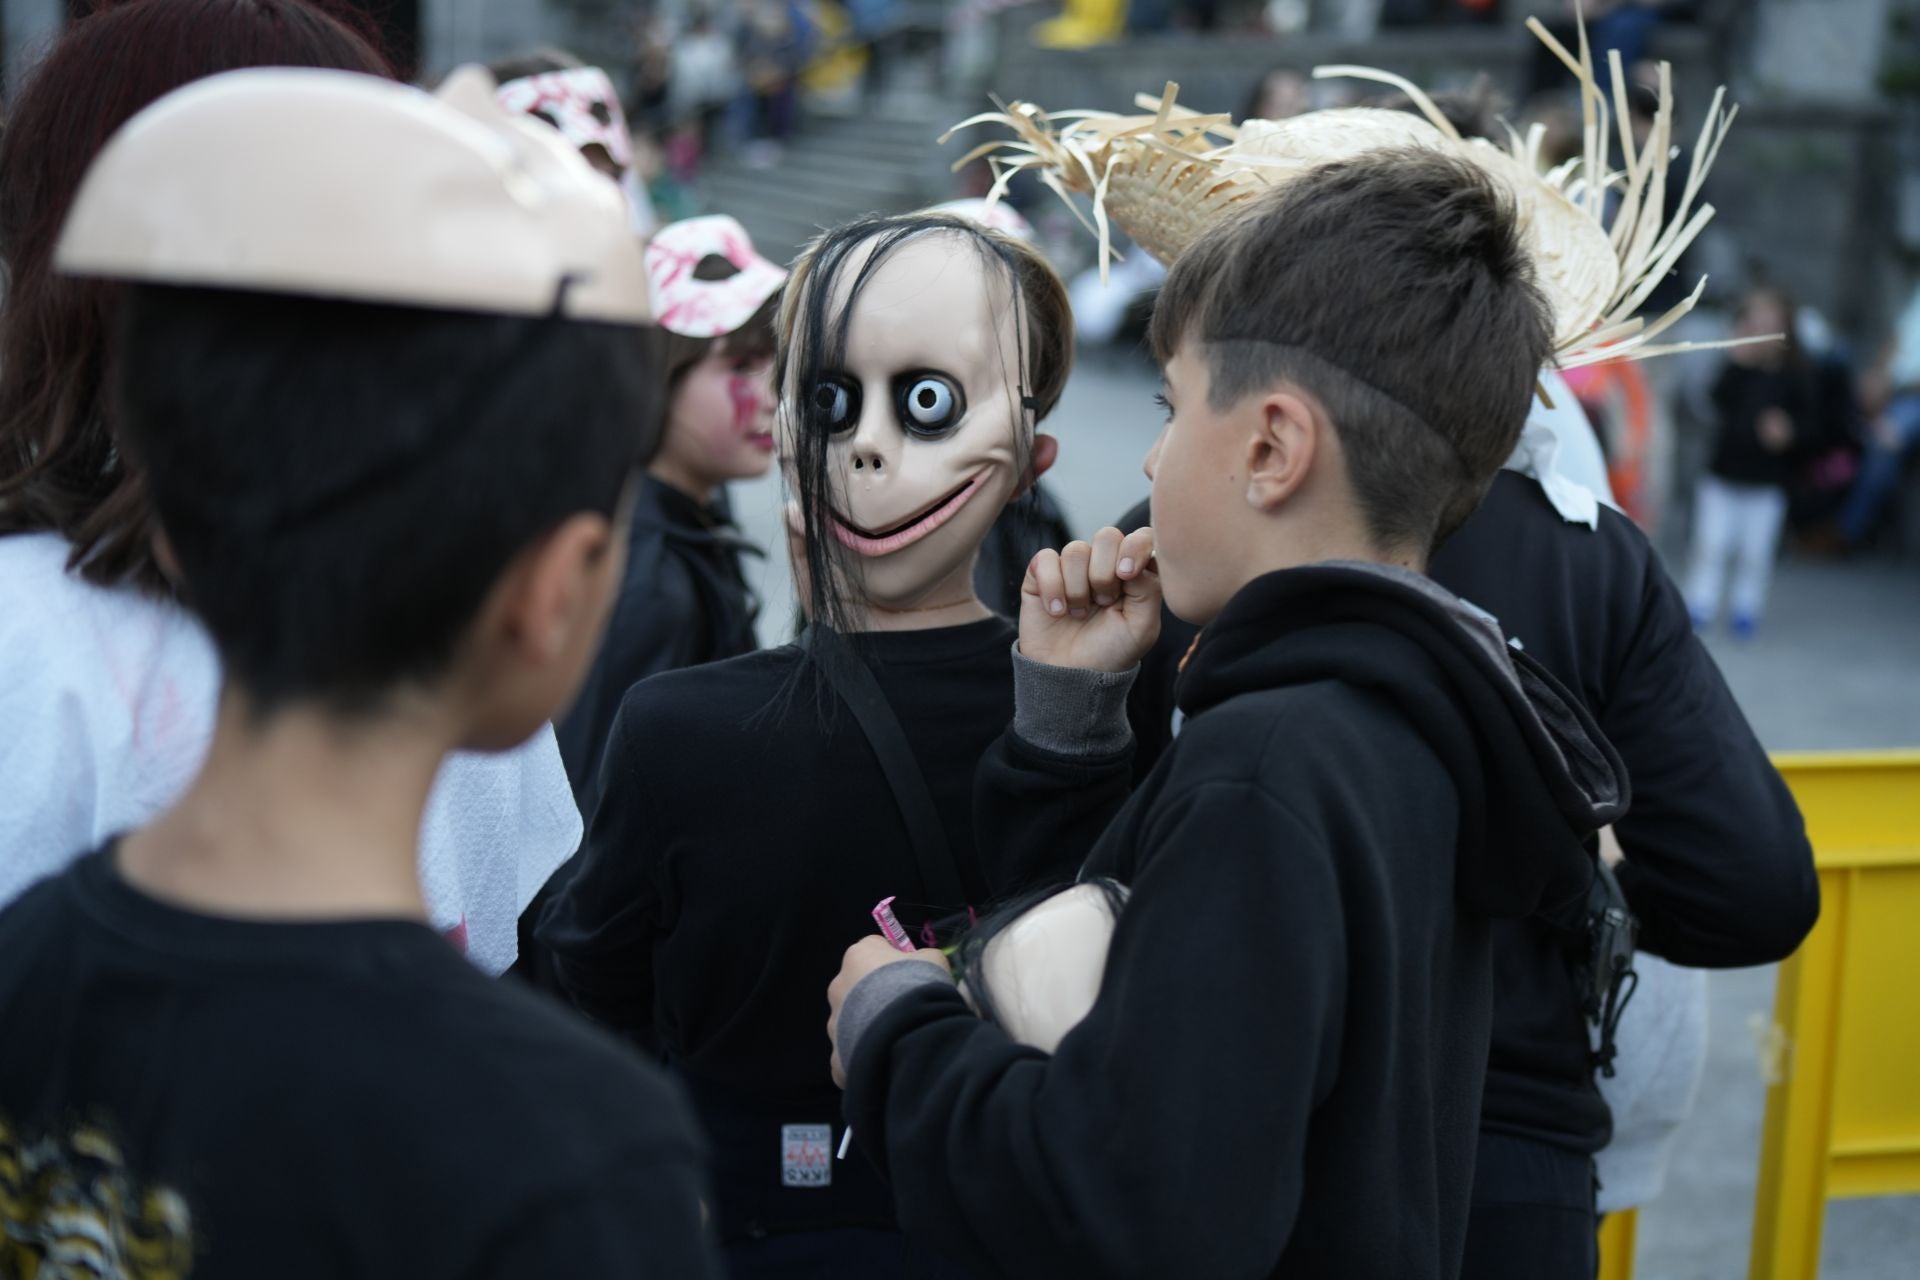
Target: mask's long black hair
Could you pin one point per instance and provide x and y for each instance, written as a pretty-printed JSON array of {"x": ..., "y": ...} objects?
[{"x": 813, "y": 346}]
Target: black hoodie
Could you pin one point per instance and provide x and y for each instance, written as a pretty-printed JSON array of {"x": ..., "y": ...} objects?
[
  {"x": 1282, "y": 1074},
  {"x": 683, "y": 601},
  {"x": 1718, "y": 871}
]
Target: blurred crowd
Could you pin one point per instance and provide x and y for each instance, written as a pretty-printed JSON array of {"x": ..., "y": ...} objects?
[
  {"x": 1619, "y": 22},
  {"x": 1817, "y": 458}
]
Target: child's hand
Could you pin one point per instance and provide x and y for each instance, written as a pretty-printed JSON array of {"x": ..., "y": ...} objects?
[
  {"x": 1776, "y": 430},
  {"x": 862, "y": 958},
  {"x": 1092, "y": 605}
]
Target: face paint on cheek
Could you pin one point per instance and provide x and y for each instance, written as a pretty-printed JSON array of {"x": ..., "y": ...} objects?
[{"x": 743, "y": 389}]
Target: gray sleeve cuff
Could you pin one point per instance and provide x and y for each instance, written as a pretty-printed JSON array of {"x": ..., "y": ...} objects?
[
  {"x": 1070, "y": 711},
  {"x": 871, "y": 996}
]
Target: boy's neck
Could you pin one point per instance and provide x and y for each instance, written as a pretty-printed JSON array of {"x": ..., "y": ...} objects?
[
  {"x": 1324, "y": 546},
  {"x": 302, "y": 817}
]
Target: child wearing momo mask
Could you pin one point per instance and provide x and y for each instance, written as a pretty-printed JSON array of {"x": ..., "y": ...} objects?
[{"x": 755, "y": 810}]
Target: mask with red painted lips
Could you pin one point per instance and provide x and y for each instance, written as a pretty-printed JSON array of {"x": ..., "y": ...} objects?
[{"x": 925, "y": 438}]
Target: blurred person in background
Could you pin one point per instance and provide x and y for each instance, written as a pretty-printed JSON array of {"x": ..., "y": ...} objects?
[
  {"x": 111, "y": 684},
  {"x": 1892, "y": 396},
  {"x": 1625, "y": 25},
  {"x": 876, "y": 25},
  {"x": 1280, "y": 93},
  {"x": 704, "y": 78},
  {"x": 1827, "y": 453},
  {"x": 1764, "y": 401},
  {"x": 771, "y": 46}
]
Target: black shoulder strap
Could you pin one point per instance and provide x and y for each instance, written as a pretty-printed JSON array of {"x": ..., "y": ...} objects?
[{"x": 850, "y": 678}]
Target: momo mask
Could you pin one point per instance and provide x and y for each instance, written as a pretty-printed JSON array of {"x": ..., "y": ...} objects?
[{"x": 921, "y": 413}]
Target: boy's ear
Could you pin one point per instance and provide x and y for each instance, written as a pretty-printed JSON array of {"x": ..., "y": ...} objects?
[
  {"x": 1287, "y": 435},
  {"x": 554, "y": 598},
  {"x": 1040, "y": 460},
  {"x": 537, "y": 633}
]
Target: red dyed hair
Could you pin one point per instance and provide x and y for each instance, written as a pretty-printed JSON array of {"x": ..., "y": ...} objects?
[{"x": 60, "y": 468}]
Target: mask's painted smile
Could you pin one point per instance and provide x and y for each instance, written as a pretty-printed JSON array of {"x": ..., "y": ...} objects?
[{"x": 911, "y": 530}]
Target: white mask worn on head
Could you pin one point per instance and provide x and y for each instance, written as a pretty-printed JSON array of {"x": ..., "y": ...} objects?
[
  {"x": 695, "y": 308},
  {"x": 578, "y": 101},
  {"x": 457, "y": 204}
]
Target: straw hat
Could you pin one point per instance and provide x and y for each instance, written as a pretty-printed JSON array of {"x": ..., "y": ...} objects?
[{"x": 1165, "y": 177}]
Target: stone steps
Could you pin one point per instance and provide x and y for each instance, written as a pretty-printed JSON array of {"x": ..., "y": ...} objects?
[{"x": 878, "y": 158}]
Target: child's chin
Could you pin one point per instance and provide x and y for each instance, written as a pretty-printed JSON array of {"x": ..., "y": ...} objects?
[{"x": 752, "y": 465}]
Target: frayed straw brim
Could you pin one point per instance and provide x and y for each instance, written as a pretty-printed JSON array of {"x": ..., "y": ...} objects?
[{"x": 1167, "y": 176}]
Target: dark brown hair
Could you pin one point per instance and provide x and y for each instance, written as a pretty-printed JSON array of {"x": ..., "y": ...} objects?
[
  {"x": 680, "y": 353},
  {"x": 1394, "y": 289},
  {"x": 61, "y": 468}
]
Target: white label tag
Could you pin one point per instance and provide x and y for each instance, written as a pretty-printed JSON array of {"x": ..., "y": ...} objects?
[{"x": 806, "y": 1155}]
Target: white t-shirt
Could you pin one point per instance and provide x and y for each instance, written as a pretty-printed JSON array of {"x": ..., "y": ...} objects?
[{"x": 107, "y": 706}]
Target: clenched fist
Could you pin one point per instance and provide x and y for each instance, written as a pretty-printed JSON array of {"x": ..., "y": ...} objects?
[{"x": 1093, "y": 605}]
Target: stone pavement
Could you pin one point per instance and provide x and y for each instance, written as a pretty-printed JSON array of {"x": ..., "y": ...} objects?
[{"x": 1837, "y": 666}]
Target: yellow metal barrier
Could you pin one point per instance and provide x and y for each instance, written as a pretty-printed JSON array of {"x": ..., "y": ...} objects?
[
  {"x": 1843, "y": 1096},
  {"x": 1843, "y": 1061},
  {"x": 1617, "y": 1237}
]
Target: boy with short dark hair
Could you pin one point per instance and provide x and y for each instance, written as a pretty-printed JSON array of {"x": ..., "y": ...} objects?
[
  {"x": 1282, "y": 1072},
  {"x": 389, "y": 481}
]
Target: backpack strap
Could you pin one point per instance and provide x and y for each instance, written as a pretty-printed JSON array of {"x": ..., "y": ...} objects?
[{"x": 856, "y": 687}]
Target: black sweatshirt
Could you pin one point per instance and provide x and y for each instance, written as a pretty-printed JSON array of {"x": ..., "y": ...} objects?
[
  {"x": 1740, "y": 395},
  {"x": 683, "y": 601},
  {"x": 1281, "y": 1075},
  {"x": 742, "y": 842},
  {"x": 302, "y": 1099},
  {"x": 1718, "y": 866}
]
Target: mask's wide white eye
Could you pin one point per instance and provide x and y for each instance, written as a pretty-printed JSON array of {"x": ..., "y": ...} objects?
[
  {"x": 930, "y": 404},
  {"x": 835, "y": 404}
]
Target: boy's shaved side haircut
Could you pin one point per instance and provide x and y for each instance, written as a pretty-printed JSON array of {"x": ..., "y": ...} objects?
[
  {"x": 343, "y": 483},
  {"x": 1395, "y": 289}
]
